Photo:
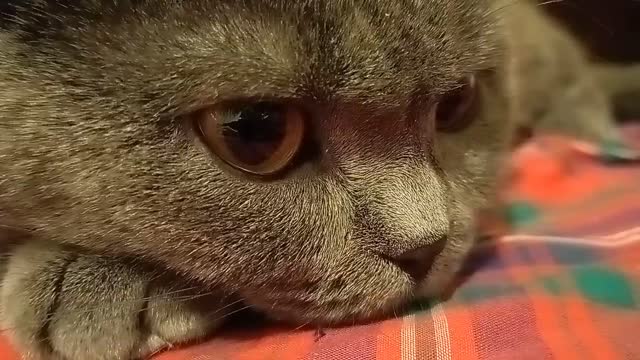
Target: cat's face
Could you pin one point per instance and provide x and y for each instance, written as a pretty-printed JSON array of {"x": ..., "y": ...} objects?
[{"x": 363, "y": 165}]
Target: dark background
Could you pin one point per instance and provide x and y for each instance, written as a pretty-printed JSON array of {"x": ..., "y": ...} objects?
[{"x": 610, "y": 28}]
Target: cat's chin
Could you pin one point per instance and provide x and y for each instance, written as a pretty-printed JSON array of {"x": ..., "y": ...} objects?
[
  {"x": 341, "y": 314},
  {"x": 344, "y": 315},
  {"x": 336, "y": 309},
  {"x": 338, "y": 316}
]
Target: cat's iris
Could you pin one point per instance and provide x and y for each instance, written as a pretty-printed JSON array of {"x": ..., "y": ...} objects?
[{"x": 258, "y": 138}]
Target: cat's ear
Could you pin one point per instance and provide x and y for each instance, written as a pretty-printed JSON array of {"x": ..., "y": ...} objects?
[{"x": 622, "y": 85}]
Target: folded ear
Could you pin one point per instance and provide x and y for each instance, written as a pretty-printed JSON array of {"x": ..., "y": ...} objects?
[{"x": 622, "y": 85}]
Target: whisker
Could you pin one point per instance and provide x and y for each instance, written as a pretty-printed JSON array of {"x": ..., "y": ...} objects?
[
  {"x": 590, "y": 16},
  {"x": 515, "y": 2},
  {"x": 233, "y": 303},
  {"x": 144, "y": 309},
  {"x": 166, "y": 297},
  {"x": 302, "y": 326},
  {"x": 501, "y": 8},
  {"x": 246, "y": 307},
  {"x": 549, "y": 2},
  {"x": 98, "y": 308}
]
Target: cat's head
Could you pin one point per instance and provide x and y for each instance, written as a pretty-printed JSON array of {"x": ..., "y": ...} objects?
[{"x": 321, "y": 159}]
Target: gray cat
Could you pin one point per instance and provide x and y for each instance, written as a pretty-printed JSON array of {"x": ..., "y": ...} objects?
[{"x": 166, "y": 163}]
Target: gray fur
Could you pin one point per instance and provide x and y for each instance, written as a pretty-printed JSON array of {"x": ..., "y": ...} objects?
[{"x": 131, "y": 218}]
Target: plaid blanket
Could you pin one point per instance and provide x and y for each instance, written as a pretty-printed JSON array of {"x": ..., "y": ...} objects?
[{"x": 562, "y": 280}]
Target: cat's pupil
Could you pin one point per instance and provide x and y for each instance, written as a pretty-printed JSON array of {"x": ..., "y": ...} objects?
[
  {"x": 255, "y": 132},
  {"x": 454, "y": 111}
]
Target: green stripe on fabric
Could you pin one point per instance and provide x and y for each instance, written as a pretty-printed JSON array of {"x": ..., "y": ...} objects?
[
  {"x": 604, "y": 286},
  {"x": 521, "y": 213},
  {"x": 552, "y": 285}
]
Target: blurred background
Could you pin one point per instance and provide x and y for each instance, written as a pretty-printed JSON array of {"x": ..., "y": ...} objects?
[{"x": 610, "y": 28}]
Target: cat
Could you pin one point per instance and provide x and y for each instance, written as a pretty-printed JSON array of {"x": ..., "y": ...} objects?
[{"x": 165, "y": 163}]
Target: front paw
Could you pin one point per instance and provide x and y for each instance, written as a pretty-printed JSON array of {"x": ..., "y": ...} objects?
[{"x": 63, "y": 305}]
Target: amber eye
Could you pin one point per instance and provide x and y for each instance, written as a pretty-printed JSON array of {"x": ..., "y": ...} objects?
[
  {"x": 259, "y": 138},
  {"x": 455, "y": 110}
]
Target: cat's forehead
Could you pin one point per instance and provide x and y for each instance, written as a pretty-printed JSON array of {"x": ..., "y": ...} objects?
[{"x": 315, "y": 47}]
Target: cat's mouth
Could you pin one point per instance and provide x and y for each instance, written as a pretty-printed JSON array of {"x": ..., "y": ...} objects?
[
  {"x": 383, "y": 294},
  {"x": 363, "y": 286}
]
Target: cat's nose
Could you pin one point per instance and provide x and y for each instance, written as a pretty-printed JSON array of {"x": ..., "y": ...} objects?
[{"x": 416, "y": 262}]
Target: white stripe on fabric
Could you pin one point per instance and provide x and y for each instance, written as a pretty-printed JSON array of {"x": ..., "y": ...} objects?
[
  {"x": 441, "y": 326},
  {"x": 623, "y": 238},
  {"x": 408, "y": 345}
]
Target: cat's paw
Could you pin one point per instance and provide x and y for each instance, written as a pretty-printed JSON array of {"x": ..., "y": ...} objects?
[{"x": 59, "y": 304}]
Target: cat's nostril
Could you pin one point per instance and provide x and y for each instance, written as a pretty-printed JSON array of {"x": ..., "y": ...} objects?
[{"x": 417, "y": 262}]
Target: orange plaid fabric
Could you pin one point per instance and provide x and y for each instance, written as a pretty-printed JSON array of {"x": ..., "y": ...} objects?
[{"x": 563, "y": 284}]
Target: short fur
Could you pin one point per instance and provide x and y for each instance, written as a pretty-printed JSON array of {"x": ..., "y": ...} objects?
[{"x": 141, "y": 239}]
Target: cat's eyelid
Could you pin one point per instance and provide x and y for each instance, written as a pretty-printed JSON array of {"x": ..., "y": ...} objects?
[{"x": 234, "y": 102}]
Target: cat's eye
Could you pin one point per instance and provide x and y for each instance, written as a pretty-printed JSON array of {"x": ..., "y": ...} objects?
[
  {"x": 456, "y": 109},
  {"x": 258, "y": 138}
]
